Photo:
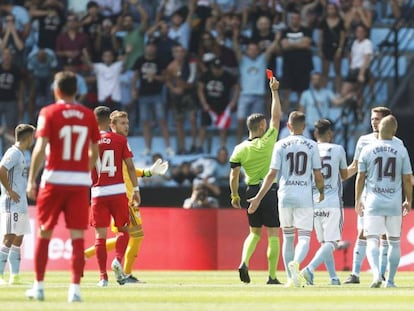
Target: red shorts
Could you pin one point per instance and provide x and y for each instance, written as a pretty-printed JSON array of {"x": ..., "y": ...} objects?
[
  {"x": 73, "y": 201},
  {"x": 102, "y": 208}
]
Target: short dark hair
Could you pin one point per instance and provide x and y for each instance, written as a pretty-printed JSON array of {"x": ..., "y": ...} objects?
[
  {"x": 66, "y": 82},
  {"x": 296, "y": 117},
  {"x": 322, "y": 126},
  {"x": 102, "y": 113},
  {"x": 382, "y": 110},
  {"x": 22, "y": 131},
  {"x": 254, "y": 120}
]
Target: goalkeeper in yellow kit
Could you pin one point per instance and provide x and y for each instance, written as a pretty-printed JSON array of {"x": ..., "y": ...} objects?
[{"x": 136, "y": 233}]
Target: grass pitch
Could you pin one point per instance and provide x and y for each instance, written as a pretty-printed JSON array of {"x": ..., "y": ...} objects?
[{"x": 211, "y": 290}]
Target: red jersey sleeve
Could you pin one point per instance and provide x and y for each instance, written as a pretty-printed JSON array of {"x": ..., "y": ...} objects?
[
  {"x": 95, "y": 135},
  {"x": 127, "y": 153},
  {"x": 43, "y": 124}
]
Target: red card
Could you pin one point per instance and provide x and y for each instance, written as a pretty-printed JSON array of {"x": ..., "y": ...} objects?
[{"x": 269, "y": 74}]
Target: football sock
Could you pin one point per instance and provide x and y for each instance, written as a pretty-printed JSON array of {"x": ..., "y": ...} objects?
[
  {"x": 110, "y": 246},
  {"x": 273, "y": 250},
  {"x": 102, "y": 257},
  {"x": 288, "y": 251},
  {"x": 74, "y": 288},
  {"x": 330, "y": 266},
  {"x": 373, "y": 255},
  {"x": 78, "y": 260},
  {"x": 359, "y": 255},
  {"x": 249, "y": 247},
  {"x": 121, "y": 244},
  {"x": 4, "y": 254},
  {"x": 322, "y": 253},
  {"x": 394, "y": 256},
  {"x": 383, "y": 259},
  {"x": 134, "y": 245},
  {"x": 14, "y": 259},
  {"x": 40, "y": 258},
  {"x": 302, "y": 247}
]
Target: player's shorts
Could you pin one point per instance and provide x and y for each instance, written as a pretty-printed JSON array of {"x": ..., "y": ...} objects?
[
  {"x": 360, "y": 223},
  {"x": 377, "y": 225},
  {"x": 15, "y": 223},
  {"x": 266, "y": 214},
  {"x": 73, "y": 201},
  {"x": 135, "y": 223},
  {"x": 102, "y": 208},
  {"x": 298, "y": 217},
  {"x": 328, "y": 223}
]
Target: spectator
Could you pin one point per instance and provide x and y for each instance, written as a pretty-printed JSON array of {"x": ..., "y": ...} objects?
[
  {"x": 69, "y": 44},
  {"x": 106, "y": 38},
  {"x": 51, "y": 20},
  {"x": 252, "y": 66},
  {"x": 297, "y": 59},
  {"x": 149, "y": 70},
  {"x": 11, "y": 91},
  {"x": 184, "y": 174},
  {"x": 358, "y": 74},
  {"x": 180, "y": 81},
  {"x": 41, "y": 65},
  {"x": 217, "y": 92},
  {"x": 21, "y": 16},
  {"x": 133, "y": 47},
  {"x": 90, "y": 24},
  {"x": 159, "y": 34},
  {"x": 110, "y": 8},
  {"x": 317, "y": 102},
  {"x": 225, "y": 6},
  {"x": 200, "y": 198},
  {"x": 78, "y": 7},
  {"x": 263, "y": 36},
  {"x": 222, "y": 167},
  {"x": 331, "y": 43},
  {"x": 167, "y": 8},
  {"x": 180, "y": 29},
  {"x": 107, "y": 74},
  {"x": 12, "y": 40},
  {"x": 210, "y": 48},
  {"x": 358, "y": 14},
  {"x": 81, "y": 86}
]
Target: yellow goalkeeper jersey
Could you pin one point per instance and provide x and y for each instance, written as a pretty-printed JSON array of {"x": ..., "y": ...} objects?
[{"x": 128, "y": 182}]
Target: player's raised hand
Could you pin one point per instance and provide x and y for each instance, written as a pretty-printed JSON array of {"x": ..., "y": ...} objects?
[
  {"x": 159, "y": 167},
  {"x": 273, "y": 84}
]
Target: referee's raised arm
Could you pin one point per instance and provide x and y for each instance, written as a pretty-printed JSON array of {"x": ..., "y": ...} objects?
[{"x": 276, "y": 109}]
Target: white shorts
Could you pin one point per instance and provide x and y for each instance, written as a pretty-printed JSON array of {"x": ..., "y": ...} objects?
[
  {"x": 328, "y": 223},
  {"x": 15, "y": 223},
  {"x": 298, "y": 217},
  {"x": 377, "y": 225},
  {"x": 360, "y": 223}
]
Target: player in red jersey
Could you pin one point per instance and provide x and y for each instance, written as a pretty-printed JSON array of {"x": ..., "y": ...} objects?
[
  {"x": 109, "y": 194},
  {"x": 67, "y": 136}
]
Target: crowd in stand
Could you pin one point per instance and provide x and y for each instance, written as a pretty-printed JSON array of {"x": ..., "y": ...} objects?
[{"x": 199, "y": 63}]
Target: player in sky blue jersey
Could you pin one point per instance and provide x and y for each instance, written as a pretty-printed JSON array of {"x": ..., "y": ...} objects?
[
  {"x": 384, "y": 170},
  {"x": 13, "y": 201}
]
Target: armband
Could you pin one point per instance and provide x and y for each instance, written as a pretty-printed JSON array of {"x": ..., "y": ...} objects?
[
  {"x": 136, "y": 188},
  {"x": 147, "y": 173}
]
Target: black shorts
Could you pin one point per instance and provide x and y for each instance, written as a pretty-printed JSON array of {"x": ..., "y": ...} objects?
[
  {"x": 352, "y": 76},
  {"x": 267, "y": 213},
  {"x": 296, "y": 81}
]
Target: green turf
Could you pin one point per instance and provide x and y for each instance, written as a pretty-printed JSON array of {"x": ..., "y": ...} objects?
[{"x": 212, "y": 290}]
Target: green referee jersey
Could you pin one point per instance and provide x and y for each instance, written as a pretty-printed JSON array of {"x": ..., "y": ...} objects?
[{"x": 254, "y": 156}]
